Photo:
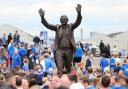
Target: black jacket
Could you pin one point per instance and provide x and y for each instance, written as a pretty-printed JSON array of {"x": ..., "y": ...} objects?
[{"x": 88, "y": 63}]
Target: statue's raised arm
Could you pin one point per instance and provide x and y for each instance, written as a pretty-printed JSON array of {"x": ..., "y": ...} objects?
[
  {"x": 44, "y": 22},
  {"x": 79, "y": 17}
]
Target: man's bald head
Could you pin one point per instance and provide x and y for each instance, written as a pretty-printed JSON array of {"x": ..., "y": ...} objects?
[{"x": 63, "y": 19}]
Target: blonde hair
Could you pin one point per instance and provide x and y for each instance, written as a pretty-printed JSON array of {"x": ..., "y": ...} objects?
[{"x": 2, "y": 53}]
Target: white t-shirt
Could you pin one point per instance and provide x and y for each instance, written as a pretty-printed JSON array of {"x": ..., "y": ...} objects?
[
  {"x": 42, "y": 63},
  {"x": 117, "y": 60},
  {"x": 41, "y": 37},
  {"x": 76, "y": 86}
]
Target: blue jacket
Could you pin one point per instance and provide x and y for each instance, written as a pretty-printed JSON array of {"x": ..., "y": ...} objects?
[
  {"x": 78, "y": 52},
  {"x": 124, "y": 67},
  {"x": 16, "y": 61},
  {"x": 33, "y": 49},
  {"x": 103, "y": 63},
  {"x": 48, "y": 64},
  {"x": 10, "y": 50},
  {"x": 112, "y": 63},
  {"x": 22, "y": 51}
]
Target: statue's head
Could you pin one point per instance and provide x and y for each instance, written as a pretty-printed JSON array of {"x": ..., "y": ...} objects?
[{"x": 63, "y": 19}]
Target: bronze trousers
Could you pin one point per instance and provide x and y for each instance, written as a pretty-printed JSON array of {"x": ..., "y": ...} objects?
[{"x": 63, "y": 59}]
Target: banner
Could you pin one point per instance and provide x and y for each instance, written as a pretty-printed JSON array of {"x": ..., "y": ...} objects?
[{"x": 44, "y": 34}]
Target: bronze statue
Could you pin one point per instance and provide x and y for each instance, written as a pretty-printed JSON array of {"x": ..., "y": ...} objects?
[{"x": 64, "y": 39}]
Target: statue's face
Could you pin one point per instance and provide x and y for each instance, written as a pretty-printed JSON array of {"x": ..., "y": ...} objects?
[{"x": 63, "y": 19}]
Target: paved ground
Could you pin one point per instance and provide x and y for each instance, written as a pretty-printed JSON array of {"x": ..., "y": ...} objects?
[{"x": 96, "y": 61}]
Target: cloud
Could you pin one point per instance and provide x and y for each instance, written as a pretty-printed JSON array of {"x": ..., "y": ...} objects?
[
  {"x": 31, "y": 11},
  {"x": 98, "y": 15},
  {"x": 106, "y": 15}
]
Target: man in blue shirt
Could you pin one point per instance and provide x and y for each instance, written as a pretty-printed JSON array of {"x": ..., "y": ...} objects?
[
  {"x": 78, "y": 55},
  {"x": 22, "y": 52},
  {"x": 125, "y": 68},
  {"x": 48, "y": 62},
  {"x": 104, "y": 63},
  {"x": 10, "y": 50},
  {"x": 112, "y": 62},
  {"x": 16, "y": 60}
]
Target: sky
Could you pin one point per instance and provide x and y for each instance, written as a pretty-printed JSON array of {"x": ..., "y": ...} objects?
[{"x": 105, "y": 16}]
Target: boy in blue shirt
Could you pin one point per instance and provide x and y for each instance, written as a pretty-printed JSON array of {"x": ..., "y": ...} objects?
[
  {"x": 124, "y": 68},
  {"x": 104, "y": 63},
  {"x": 112, "y": 62}
]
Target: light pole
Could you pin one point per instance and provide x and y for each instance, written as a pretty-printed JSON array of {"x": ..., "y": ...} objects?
[{"x": 81, "y": 34}]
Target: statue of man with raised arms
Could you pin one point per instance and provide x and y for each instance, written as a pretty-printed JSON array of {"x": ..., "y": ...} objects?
[{"x": 64, "y": 39}]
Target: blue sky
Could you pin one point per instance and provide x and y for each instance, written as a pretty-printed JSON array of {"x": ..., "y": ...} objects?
[{"x": 106, "y": 16}]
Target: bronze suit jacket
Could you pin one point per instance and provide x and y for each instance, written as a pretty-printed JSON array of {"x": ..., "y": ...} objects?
[{"x": 69, "y": 32}]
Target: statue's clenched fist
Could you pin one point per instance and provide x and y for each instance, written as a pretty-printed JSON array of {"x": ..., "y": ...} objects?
[{"x": 41, "y": 12}]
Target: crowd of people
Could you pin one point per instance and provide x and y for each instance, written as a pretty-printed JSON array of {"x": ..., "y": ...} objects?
[
  {"x": 24, "y": 66},
  {"x": 5, "y": 40}
]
